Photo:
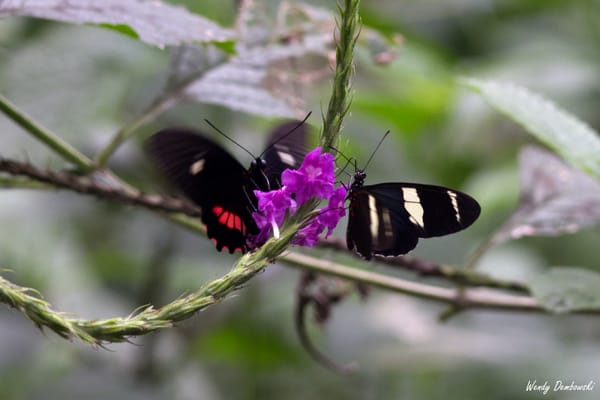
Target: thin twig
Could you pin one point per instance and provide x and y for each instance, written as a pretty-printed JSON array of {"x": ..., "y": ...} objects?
[
  {"x": 473, "y": 298},
  {"x": 460, "y": 276},
  {"x": 99, "y": 184}
]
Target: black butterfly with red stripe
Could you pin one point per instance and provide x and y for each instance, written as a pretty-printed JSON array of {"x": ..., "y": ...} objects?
[
  {"x": 213, "y": 179},
  {"x": 387, "y": 219}
]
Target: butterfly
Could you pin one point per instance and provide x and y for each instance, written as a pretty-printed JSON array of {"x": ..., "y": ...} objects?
[
  {"x": 387, "y": 219},
  {"x": 213, "y": 179}
]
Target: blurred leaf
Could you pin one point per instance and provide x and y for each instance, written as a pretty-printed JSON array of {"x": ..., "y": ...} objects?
[
  {"x": 266, "y": 75},
  {"x": 240, "y": 83},
  {"x": 227, "y": 46},
  {"x": 245, "y": 341},
  {"x": 383, "y": 50},
  {"x": 411, "y": 94},
  {"x": 188, "y": 62},
  {"x": 555, "y": 198},
  {"x": 562, "y": 290},
  {"x": 574, "y": 140},
  {"x": 153, "y": 22}
]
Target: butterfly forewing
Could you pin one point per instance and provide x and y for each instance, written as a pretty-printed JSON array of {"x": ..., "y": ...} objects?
[
  {"x": 196, "y": 165},
  {"x": 210, "y": 177},
  {"x": 388, "y": 218},
  {"x": 433, "y": 210}
]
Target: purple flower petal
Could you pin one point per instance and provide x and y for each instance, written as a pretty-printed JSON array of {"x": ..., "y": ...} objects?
[
  {"x": 330, "y": 216},
  {"x": 272, "y": 207},
  {"x": 314, "y": 178},
  {"x": 309, "y": 235}
]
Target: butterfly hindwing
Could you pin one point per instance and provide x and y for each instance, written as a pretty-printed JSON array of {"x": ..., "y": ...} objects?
[
  {"x": 286, "y": 148},
  {"x": 212, "y": 178},
  {"x": 388, "y": 218},
  {"x": 375, "y": 228}
]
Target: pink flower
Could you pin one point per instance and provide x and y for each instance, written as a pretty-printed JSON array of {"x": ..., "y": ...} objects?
[{"x": 314, "y": 179}]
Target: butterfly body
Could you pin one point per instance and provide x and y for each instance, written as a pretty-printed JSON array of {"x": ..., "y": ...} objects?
[
  {"x": 387, "y": 219},
  {"x": 209, "y": 176}
]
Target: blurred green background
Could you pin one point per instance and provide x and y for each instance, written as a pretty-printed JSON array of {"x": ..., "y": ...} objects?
[{"x": 98, "y": 259}]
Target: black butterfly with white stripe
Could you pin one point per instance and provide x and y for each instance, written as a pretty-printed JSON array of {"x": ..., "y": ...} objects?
[{"x": 387, "y": 219}]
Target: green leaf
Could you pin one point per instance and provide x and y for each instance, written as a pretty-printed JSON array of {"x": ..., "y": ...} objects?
[
  {"x": 228, "y": 46},
  {"x": 121, "y": 28},
  {"x": 153, "y": 22},
  {"x": 574, "y": 140},
  {"x": 562, "y": 290}
]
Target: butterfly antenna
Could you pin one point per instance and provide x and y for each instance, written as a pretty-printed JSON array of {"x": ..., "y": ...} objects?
[
  {"x": 375, "y": 151},
  {"x": 340, "y": 153},
  {"x": 298, "y": 125},
  {"x": 343, "y": 169},
  {"x": 348, "y": 161},
  {"x": 227, "y": 137}
]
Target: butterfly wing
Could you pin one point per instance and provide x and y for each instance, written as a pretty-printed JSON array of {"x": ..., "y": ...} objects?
[
  {"x": 376, "y": 227},
  {"x": 286, "y": 148},
  {"x": 388, "y": 218},
  {"x": 211, "y": 178}
]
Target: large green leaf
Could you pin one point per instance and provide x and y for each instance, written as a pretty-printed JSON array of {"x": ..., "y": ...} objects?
[
  {"x": 574, "y": 140},
  {"x": 153, "y": 22},
  {"x": 563, "y": 290}
]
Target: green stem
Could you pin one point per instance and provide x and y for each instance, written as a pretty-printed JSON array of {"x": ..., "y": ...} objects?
[
  {"x": 128, "y": 130},
  {"x": 481, "y": 250},
  {"x": 22, "y": 183},
  {"x": 60, "y": 147}
]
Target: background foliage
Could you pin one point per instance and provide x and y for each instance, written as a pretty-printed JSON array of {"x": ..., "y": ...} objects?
[{"x": 99, "y": 259}]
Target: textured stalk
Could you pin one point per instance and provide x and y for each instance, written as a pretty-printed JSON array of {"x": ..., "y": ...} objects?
[{"x": 340, "y": 96}]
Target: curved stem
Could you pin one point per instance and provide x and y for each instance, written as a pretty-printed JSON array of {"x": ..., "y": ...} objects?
[
  {"x": 303, "y": 301},
  {"x": 44, "y": 135}
]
